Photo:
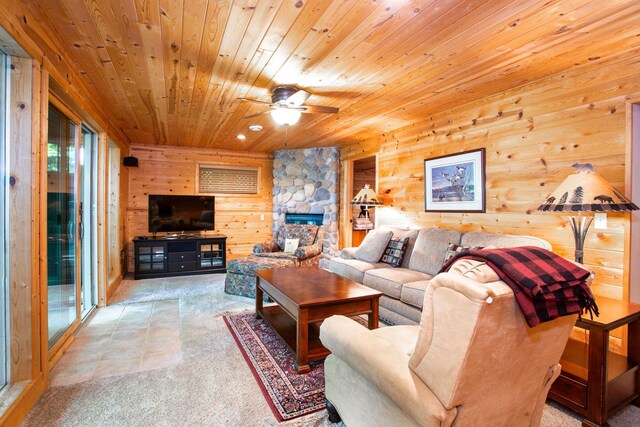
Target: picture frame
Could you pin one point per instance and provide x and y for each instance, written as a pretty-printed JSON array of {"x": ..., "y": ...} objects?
[{"x": 455, "y": 182}]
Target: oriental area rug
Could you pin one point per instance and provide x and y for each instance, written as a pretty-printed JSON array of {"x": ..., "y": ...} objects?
[{"x": 289, "y": 394}]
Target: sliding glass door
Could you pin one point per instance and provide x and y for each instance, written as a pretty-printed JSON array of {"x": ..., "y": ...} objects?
[
  {"x": 88, "y": 213},
  {"x": 61, "y": 224}
]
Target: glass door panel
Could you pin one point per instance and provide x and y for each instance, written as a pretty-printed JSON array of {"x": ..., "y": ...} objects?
[
  {"x": 61, "y": 224},
  {"x": 88, "y": 211}
]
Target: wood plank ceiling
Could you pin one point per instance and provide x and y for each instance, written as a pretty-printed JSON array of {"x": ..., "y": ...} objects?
[{"x": 169, "y": 71}]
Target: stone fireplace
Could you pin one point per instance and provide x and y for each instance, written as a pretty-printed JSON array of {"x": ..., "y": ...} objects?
[{"x": 306, "y": 181}]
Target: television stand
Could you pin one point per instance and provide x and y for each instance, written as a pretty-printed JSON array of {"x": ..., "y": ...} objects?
[{"x": 179, "y": 255}]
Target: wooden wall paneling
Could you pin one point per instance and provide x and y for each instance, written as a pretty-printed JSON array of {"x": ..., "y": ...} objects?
[
  {"x": 171, "y": 30},
  {"x": 43, "y": 252},
  {"x": 78, "y": 28},
  {"x": 148, "y": 22},
  {"x": 113, "y": 208},
  {"x": 632, "y": 159},
  {"x": 126, "y": 34},
  {"x": 193, "y": 26},
  {"x": 21, "y": 276},
  {"x": 345, "y": 237},
  {"x": 215, "y": 22},
  {"x": 240, "y": 70},
  {"x": 59, "y": 63},
  {"x": 396, "y": 81},
  {"x": 309, "y": 43},
  {"x": 122, "y": 214},
  {"x": 103, "y": 229},
  {"x": 532, "y": 134},
  {"x": 38, "y": 99},
  {"x": 409, "y": 106},
  {"x": 384, "y": 65},
  {"x": 172, "y": 170}
]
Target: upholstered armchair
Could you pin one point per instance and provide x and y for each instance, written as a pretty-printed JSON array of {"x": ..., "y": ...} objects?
[
  {"x": 309, "y": 246},
  {"x": 472, "y": 360}
]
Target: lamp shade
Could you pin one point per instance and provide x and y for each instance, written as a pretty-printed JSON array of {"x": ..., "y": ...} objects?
[
  {"x": 366, "y": 197},
  {"x": 586, "y": 191},
  {"x": 285, "y": 116}
]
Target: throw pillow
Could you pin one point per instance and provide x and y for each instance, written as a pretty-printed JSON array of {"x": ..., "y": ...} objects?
[
  {"x": 394, "y": 253},
  {"x": 372, "y": 247},
  {"x": 454, "y": 249},
  {"x": 290, "y": 245}
]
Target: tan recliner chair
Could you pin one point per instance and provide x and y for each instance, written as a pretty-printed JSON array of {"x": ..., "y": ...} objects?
[{"x": 472, "y": 361}]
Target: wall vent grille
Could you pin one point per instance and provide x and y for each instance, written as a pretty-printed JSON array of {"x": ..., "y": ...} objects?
[{"x": 227, "y": 180}]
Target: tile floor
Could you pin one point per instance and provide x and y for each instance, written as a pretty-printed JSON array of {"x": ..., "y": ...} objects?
[{"x": 123, "y": 339}]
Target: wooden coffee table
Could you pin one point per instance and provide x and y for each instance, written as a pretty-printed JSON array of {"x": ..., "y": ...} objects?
[{"x": 305, "y": 297}]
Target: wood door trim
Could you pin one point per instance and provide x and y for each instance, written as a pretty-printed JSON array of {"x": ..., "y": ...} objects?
[{"x": 628, "y": 185}]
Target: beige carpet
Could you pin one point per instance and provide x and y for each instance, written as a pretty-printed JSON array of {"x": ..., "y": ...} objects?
[{"x": 212, "y": 386}]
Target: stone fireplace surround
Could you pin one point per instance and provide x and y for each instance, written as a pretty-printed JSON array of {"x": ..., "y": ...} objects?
[{"x": 307, "y": 181}]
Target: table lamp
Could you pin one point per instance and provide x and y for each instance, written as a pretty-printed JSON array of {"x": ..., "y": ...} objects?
[
  {"x": 585, "y": 191},
  {"x": 365, "y": 198}
]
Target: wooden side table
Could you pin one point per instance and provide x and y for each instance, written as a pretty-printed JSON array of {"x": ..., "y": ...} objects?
[{"x": 596, "y": 382}]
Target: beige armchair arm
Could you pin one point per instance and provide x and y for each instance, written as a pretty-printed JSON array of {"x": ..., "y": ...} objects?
[{"x": 385, "y": 366}]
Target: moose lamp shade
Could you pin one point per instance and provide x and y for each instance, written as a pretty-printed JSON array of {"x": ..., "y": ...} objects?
[
  {"x": 585, "y": 191},
  {"x": 366, "y": 197}
]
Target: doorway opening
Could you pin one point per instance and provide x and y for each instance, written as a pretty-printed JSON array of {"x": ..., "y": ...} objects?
[{"x": 362, "y": 220}]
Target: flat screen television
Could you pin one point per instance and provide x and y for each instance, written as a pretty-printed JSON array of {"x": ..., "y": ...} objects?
[{"x": 171, "y": 213}]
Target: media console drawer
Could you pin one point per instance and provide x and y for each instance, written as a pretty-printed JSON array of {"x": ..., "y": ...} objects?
[
  {"x": 181, "y": 266},
  {"x": 182, "y": 256}
]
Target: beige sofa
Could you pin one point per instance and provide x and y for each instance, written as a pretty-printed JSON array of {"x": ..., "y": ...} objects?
[
  {"x": 404, "y": 287},
  {"x": 472, "y": 361}
]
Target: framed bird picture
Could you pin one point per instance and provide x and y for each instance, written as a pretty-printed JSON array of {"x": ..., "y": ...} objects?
[{"x": 455, "y": 182}]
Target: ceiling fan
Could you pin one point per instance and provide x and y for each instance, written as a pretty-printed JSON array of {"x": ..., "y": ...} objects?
[{"x": 287, "y": 105}]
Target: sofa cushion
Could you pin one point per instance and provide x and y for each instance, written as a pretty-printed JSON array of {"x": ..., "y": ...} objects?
[
  {"x": 373, "y": 246},
  {"x": 305, "y": 232},
  {"x": 400, "y": 308},
  {"x": 399, "y": 233},
  {"x": 353, "y": 269},
  {"x": 390, "y": 280},
  {"x": 413, "y": 293},
  {"x": 431, "y": 245},
  {"x": 348, "y": 253},
  {"x": 394, "y": 253},
  {"x": 478, "y": 238},
  {"x": 454, "y": 249}
]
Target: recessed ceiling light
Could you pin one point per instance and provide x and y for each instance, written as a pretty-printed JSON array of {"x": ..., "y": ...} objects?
[
  {"x": 241, "y": 137},
  {"x": 255, "y": 128}
]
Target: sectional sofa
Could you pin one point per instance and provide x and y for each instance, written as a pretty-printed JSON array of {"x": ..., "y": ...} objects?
[{"x": 404, "y": 286}]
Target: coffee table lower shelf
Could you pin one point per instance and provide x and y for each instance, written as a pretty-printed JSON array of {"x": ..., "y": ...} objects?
[{"x": 285, "y": 327}]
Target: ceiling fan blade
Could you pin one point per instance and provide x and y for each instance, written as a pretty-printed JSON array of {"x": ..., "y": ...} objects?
[
  {"x": 320, "y": 109},
  {"x": 256, "y": 115},
  {"x": 255, "y": 101},
  {"x": 298, "y": 98}
]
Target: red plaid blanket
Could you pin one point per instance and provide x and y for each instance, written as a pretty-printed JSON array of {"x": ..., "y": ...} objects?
[{"x": 545, "y": 285}]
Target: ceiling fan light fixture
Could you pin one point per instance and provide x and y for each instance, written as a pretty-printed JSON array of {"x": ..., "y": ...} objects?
[{"x": 285, "y": 116}]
